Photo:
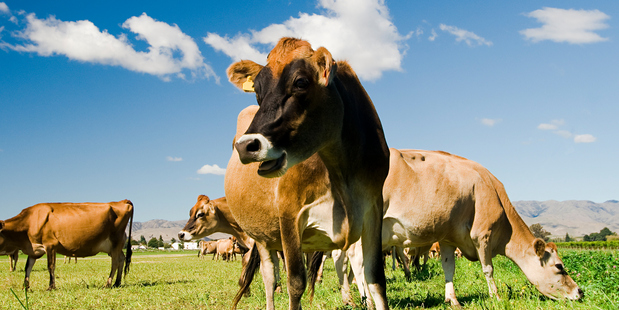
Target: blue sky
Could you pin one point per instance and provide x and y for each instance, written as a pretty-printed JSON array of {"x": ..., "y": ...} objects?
[{"x": 110, "y": 100}]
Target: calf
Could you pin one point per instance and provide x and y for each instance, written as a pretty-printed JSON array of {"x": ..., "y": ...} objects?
[{"x": 73, "y": 229}]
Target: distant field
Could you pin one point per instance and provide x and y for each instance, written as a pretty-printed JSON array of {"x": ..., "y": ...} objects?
[{"x": 180, "y": 280}]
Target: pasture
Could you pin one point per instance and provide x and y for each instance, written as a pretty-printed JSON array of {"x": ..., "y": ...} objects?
[{"x": 180, "y": 280}]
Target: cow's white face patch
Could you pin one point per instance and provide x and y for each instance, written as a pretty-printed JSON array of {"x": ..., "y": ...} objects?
[
  {"x": 257, "y": 148},
  {"x": 187, "y": 236}
]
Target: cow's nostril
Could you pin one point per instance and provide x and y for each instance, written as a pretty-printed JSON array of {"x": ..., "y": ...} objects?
[
  {"x": 181, "y": 235},
  {"x": 253, "y": 146}
]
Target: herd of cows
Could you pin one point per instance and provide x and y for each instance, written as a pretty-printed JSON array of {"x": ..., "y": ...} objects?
[{"x": 311, "y": 172}]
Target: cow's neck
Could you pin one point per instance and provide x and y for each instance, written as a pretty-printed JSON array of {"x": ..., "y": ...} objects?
[
  {"x": 229, "y": 224},
  {"x": 358, "y": 160},
  {"x": 519, "y": 248}
]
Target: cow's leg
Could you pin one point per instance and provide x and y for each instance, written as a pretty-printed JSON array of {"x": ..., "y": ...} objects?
[
  {"x": 295, "y": 266},
  {"x": 51, "y": 267},
  {"x": 485, "y": 258},
  {"x": 267, "y": 270},
  {"x": 120, "y": 263},
  {"x": 29, "y": 264},
  {"x": 449, "y": 268},
  {"x": 13, "y": 260},
  {"x": 355, "y": 255},
  {"x": 371, "y": 245},
  {"x": 340, "y": 260},
  {"x": 321, "y": 269},
  {"x": 405, "y": 262}
]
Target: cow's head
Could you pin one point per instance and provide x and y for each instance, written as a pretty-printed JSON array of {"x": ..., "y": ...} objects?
[
  {"x": 300, "y": 108},
  {"x": 548, "y": 273},
  {"x": 202, "y": 220}
]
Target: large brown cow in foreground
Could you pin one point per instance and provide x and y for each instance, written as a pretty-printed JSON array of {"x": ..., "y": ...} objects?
[
  {"x": 72, "y": 229},
  {"x": 309, "y": 104},
  {"x": 433, "y": 196}
]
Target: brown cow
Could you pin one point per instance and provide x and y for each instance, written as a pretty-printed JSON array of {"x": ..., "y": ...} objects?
[
  {"x": 434, "y": 196},
  {"x": 73, "y": 229},
  {"x": 309, "y": 104},
  {"x": 207, "y": 247},
  {"x": 225, "y": 248},
  {"x": 210, "y": 216}
]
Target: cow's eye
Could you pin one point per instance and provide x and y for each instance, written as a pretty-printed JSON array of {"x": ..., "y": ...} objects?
[
  {"x": 559, "y": 266},
  {"x": 301, "y": 83},
  {"x": 199, "y": 215}
]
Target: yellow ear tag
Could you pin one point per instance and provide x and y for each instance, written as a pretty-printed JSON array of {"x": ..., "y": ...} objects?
[{"x": 248, "y": 86}]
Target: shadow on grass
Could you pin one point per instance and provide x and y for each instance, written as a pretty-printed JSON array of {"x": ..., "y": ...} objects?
[{"x": 146, "y": 283}]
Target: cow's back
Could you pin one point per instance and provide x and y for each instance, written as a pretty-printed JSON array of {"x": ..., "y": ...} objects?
[
  {"x": 440, "y": 194},
  {"x": 82, "y": 229}
]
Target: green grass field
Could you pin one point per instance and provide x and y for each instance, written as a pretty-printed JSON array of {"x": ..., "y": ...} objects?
[{"x": 180, "y": 280}]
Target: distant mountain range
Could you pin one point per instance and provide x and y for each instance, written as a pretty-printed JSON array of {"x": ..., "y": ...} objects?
[
  {"x": 575, "y": 217},
  {"x": 166, "y": 229}
]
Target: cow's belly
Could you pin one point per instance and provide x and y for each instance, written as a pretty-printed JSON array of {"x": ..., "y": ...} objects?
[
  {"x": 407, "y": 225},
  {"x": 323, "y": 225}
]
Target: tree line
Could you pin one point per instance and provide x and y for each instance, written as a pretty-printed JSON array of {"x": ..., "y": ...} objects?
[{"x": 604, "y": 235}]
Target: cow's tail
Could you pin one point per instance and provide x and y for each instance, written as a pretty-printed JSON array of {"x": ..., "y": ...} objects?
[
  {"x": 314, "y": 267},
  {"x": 247, "y": 274},
  {"x": 129, "y": 251}
]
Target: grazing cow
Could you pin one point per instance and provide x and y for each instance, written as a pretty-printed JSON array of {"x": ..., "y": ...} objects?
[
  {"x": 225, "y": 248},
  {"x": 13, "y": 257},
  {"x": 207, "y": 247},
  {"x": 314, "y": 113},
  {"x": 434, "y": 196},
  {"x": 73, "y": 229}
]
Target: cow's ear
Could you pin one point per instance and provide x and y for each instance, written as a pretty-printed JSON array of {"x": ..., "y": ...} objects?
[
  {"x": 552, "y": 245},
  {"x": 539, "y": 246},
  {"x": 204, "y": 197},
  {"x": 242, "y": 73},
  {"x": 326, "y": 66}
]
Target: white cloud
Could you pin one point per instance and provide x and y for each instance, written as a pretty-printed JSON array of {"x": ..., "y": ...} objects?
[
  {"x": 586, "y": 138},
  {"x": 359, "y": 31},
  {"x": 554, "y": 124},
  {"x": 4, "y": 8},
  {"x": 433, "y": 36},
  {"x": 468, "y": 37},
  {"x": 490, "y": 122},
  {"x": 83, "y": 41},
  {"x": 571, "y": 26},
  {"x": 170, "y": 158},
  {"x": 214, "y": 169}
]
